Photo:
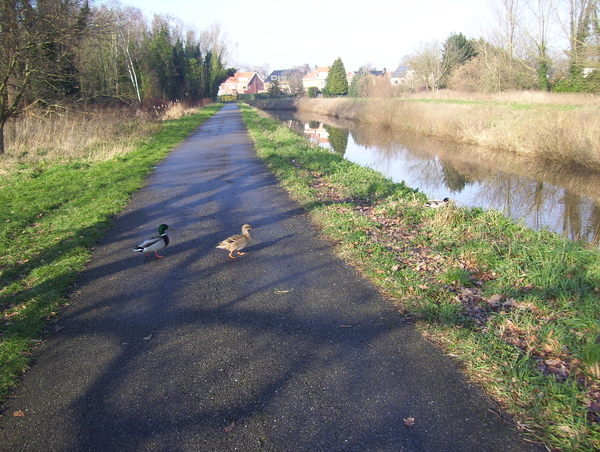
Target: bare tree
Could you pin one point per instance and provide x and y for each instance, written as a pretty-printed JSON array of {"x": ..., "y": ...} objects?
[
  {"x": 542, "y": 17},
  {"x": 579, "y": 20},
  {"x": 509, "y": 14},
  {"x": 427, "y": 64},
  {"x": 303, "y": 69},
  {"x": 214, "y": 40},
  {"x": 515, "y": 47},
  {"x": 129, "y": 27},
  {"x": 36, "y": 52},
  {"x": 491, "y": 71},
  {"x": 263, "y": 71}
]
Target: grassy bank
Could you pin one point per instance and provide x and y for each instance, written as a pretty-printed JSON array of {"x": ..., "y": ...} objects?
[
  {"x": 55, "y": 206},
  {"x": 550, "y": 127},
  {"x": 518, "y": 309}
]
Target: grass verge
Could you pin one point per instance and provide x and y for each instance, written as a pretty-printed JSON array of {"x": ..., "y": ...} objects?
[
  {"x": 518, "y": 309},
  {"x": 52, "y": 215}
]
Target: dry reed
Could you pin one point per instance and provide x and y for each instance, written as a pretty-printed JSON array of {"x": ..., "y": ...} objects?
[
  {"x": 91, "y": 135},
  {"x": 562, "y": 128},
  {"x": 517, "y": 97},
  {"x": 176, "y": 110}
]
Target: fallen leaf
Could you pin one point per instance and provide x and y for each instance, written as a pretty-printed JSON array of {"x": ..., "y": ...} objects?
[
  {"x": 58, "y": 328},
  {"x": 19, "y": 414},
  {"x": 509, "y": 302},
  {"x": 409, "y": 421},
  {"x": 147, "y": 338},
  {"x": 230, "y": 427}
]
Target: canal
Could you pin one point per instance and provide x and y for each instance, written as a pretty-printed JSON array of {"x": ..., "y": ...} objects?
[{"x": 550, "y": 196}]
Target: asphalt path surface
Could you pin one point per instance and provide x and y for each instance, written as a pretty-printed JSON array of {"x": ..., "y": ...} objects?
[{"x": 283, "y": 349}]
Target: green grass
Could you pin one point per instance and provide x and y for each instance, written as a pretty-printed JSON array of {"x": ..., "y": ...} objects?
[
  {"x": 53, "y": 214},
  {"x": 519, "y": 309}
]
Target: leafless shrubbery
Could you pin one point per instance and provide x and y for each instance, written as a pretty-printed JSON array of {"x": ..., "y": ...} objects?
[
  {"x": 159, "y": 109},
  {"x": 176, "y": 110},
  {"x": 491, "y": 74},
  {"x": 94, "y": 135}
]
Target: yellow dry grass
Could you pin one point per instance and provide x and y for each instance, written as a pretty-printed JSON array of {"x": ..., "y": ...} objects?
[
  {"x": 556, "y": 127},
  {"x": 520, "y": 97},
  {"x": 91, "y": 135}
]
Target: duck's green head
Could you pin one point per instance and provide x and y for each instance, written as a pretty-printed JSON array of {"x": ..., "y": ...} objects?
[{"x": 162, "y": 228}]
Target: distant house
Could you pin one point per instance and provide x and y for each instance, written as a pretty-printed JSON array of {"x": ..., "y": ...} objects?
[
  {"x": 383, "y": 73},
  {"x": 290, "y": 80},
  {"x": 403, "y": 76},
  {"x": 242, "y": 83},
  {"x": 350, "y": 76},
  {"x": 380, "y": 74},
  {"x": 316, "y": 78}
]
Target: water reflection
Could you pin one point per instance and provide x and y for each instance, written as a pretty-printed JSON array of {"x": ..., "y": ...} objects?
[{"x": 549, "y": 196}]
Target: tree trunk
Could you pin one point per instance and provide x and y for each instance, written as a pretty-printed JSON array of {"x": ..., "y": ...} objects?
[
  {"x": 3, "y": 100},
  {"x": 1, "y": 137}
]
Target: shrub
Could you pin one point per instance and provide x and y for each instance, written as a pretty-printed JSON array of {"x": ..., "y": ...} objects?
[{"x": 313, "y": 91}]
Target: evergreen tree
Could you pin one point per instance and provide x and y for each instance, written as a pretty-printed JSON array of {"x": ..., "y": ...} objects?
[
  {"x": 338, "y": 139},
  {"x": 217, "y": 74},
  {"x": 312, "y": 91},
  {"x": 275, "y": 89},
  {"x": 161, "y": 59},
  {"x": 337, "y": 83},
  {"x": 180, "y": 67},
  {"x": 457, "y": 50},
  {"x": 56, "y": 52},
  {"x": 194, "y": 75}
]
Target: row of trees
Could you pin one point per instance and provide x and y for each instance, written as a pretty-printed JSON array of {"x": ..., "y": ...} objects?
[
  {"x": 527, "y": 44},
  {"x": 58, "y": 53}
]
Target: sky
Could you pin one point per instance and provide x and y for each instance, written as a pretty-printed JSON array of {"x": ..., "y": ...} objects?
[{"x": 285, "y": 34}]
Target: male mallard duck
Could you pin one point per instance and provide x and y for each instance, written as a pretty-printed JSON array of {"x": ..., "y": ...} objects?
[
  {"x": 236, "y": 242},
  {"x": 437, "y": 203},
  {"x": 155, "y": 243}
]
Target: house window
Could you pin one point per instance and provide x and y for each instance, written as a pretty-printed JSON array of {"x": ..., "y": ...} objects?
[
  {"x": 274, "y": 77},
  {"x": 245, "y": 87}
]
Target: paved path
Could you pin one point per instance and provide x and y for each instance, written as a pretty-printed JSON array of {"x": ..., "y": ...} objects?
[{"x": 283, "y": 349}]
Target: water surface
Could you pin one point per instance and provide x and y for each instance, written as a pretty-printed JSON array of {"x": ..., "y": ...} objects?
[{"x": 550, "y": 196}]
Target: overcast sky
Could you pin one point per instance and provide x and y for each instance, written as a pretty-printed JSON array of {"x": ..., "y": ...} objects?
[{"x": 316, "y": 32}]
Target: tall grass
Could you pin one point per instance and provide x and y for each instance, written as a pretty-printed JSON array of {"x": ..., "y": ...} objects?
[
  {"x": 520, "y": 97},
  {"x": 563, "y": 128},
  {"x": 92, "y": 135}
]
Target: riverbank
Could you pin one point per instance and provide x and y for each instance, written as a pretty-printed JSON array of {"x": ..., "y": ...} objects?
[
  {"x": 516, "y": 307},
  {"x": 551, "y": 127}
]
